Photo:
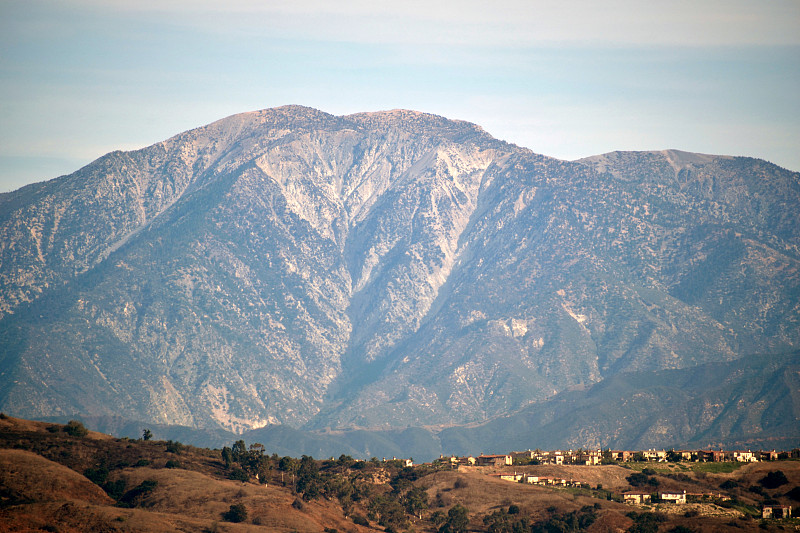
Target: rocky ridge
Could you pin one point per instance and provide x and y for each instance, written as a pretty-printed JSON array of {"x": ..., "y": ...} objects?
[{"x": 385, "y": 269}]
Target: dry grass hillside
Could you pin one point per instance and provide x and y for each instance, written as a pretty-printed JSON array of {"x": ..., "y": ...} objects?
[{"x": 60, "y": 478}]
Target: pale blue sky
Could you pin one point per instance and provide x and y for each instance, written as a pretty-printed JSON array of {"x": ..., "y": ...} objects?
[{"x": 570, "y": 78}]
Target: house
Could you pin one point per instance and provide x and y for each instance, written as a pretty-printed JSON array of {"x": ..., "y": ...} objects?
[
  {"x": 509, "y": 477},
  {"x": 466, "y": 461},
  {"x": 553, "y": 458},
  {"x": 777, "y": 512},
  {"x": 637, "y": 498},
  {"x": 710, "y": 456},
  {"x": 527, "y": 455},
  {"x": 590, "y": 458},
  {"x": 687, "y": 455},
  {"x": 741, "y": 456},
  {"x": 673, "y": 497},
  {"x": 768, "y": 455},
  {"x": 622, "y": 456},
  {"x": 655, "y": 455},
  {"x": 532, "y": 480},
  {"x": 493, "y": 460}
]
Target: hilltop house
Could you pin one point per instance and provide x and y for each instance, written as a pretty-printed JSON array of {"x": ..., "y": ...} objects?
[
  {"x": 655, "y": 455},
  {"x": 493, "y": 460},
  {"x": 637, "y": 497},
  {"x": 768, "y": 455},
  {"x": 710, "y": 456},
  {"x": 777, "y": 512},
  {"x": 741, "y": 457},
  {"x": 673, "y": 497},
  {"x": 622, "y": 456}
]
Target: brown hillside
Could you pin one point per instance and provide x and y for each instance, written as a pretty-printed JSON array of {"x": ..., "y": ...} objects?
[
  {"x": 25, "y": 476},
  {"x": 43, "y": 488}
]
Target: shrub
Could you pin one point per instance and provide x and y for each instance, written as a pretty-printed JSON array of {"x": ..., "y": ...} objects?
[
  {"x": 460, "y": 483},
  {"x": 134, "y": 497},
  {"x": 728, "y": 485},
  {"x": 172, "y": 464},
  {"x": 773, "y": 480},
  {"x": 142, "y": 462},
  {"x": 298, "y": 504},
  {"x": 174, "y": 446},
  {"x": 645, "y": 522},
  {"x": 237, "y": 474},
  {"x": 97, "y": 475},
  {"x": 639, "y": 479},
  {"x": 513, "y": 509},
  {"x": 236, "y": 513},
  {"x": 360, "y": 520},
  {"x": 116, "y": 489},
  {"x": 794, "y": 494},
  {"x": 75, "y": 429}
]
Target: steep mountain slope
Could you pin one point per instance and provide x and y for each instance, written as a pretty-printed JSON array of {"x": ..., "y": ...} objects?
[
  {"x": 380, "y": 270},
  {"x": 748, "y": 403}
]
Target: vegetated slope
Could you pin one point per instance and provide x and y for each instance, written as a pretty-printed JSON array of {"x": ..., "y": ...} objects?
[
  {"x": 380, "y": 270},
  {"x": 166, "y": 486},
  {"x": 156, "y": 486}
]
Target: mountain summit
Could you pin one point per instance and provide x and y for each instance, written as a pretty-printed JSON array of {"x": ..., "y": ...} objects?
[{"x": 379, "y": 270}]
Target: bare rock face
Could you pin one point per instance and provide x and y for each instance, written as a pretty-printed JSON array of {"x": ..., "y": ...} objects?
[{"x": 380, "y": 270}]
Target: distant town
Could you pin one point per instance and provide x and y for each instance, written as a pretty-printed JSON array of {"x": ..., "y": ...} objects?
[
  {"x": 615, "y": 457},
  {"x": 597, "y": 457}
]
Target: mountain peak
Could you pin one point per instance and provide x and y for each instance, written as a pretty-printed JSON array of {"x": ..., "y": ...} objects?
[{"x": 387, "y": 268}]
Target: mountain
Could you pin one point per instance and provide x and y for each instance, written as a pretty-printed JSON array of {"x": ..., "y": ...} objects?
[
  {"x": 750, "y": 403},
  {"x": 382, "y": 270}
]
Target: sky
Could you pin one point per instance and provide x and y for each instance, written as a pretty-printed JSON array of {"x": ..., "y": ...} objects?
[{"x": 565, "y": 78}]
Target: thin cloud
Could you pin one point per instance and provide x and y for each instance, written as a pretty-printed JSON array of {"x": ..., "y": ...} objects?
[{"x": 504, "y": 23}]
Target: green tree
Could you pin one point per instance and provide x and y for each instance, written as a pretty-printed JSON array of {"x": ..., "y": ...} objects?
[
  {"x": 227, "y": 456},
  {"x": 457, "y": 520},
  {"x": 387, "y": 511},
  {"x": 290, "y": 465},
  {"x": 75, "y": 429},
  {"x": 415, "y": 501},
  {"x": 674, "y": 457},
  {"x": 239, "y": 451},
  {"x": 147, "y": 434},
  {"x": 308, "y": 479}
]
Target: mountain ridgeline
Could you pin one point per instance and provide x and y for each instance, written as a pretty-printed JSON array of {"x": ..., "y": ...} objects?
[{"x": 392, "y": 269}]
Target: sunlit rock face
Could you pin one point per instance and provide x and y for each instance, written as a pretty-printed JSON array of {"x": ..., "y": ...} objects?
[{"x": 380, "y": 270}]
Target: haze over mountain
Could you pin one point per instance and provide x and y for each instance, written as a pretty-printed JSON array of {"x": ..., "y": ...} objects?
[{"x": 384, "y": 270}]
